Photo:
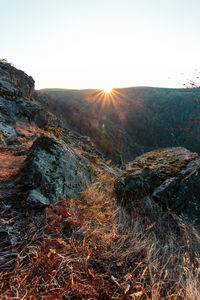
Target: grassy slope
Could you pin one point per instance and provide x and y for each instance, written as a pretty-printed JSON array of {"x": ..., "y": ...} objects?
[{"x": 74, "y": 250}]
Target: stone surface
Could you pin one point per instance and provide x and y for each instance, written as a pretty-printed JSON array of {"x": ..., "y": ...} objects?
[
  {"x": 14, "y": 82},
  {"x": 52, "y": 170},
  {"x": 6, "y": 131},
  {"x": 18, "y": 102},
  {"x": 171, "y": 177}
]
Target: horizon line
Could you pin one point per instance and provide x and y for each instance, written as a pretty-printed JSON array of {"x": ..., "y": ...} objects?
[{"x": 128, "y": 87}]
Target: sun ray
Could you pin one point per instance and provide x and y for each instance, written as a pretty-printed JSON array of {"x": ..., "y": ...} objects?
[{"x": 102, "y": 99}]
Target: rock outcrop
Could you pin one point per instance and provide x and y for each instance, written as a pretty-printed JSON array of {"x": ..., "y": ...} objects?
[
  {"x": 52, "y": 170},
  {"x": 171, "y": 177},
  {"x": 14, "y": 82},
  {"x": 28, "y": 132},
  {"x": 16, "y": 102}
]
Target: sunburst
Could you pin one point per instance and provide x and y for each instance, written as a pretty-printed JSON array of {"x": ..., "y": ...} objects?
[
  {"x": 109, "y": 97},
  {"x": 107, "y": 90}
]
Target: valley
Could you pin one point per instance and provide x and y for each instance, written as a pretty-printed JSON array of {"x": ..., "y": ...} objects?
[{"x": 130, "y": 121}]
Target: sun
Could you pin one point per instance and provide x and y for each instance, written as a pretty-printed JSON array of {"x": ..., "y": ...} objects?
[{"x": 107, "y": 90}]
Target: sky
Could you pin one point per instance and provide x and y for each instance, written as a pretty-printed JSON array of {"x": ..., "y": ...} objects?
[{"x": 79, "y": 44}]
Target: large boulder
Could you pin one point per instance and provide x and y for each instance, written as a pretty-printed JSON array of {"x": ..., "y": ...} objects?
[
  {"x": 52, "y": 170},
  {"x": 171, "y": 177}
]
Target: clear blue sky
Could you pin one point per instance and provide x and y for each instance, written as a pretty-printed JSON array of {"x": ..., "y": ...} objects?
[{"x": 102, "y": 43}]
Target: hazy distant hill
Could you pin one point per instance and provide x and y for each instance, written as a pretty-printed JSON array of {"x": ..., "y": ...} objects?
[{"x": 132, "y": 120}]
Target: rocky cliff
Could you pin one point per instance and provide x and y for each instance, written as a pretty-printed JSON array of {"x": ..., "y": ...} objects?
[
  {"x": 14, "y": 82},
  {"x": 50, "y": 167}
]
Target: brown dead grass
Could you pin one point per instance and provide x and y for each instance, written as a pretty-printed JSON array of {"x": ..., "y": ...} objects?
[
  {"x": 74, "y": 250},
  {"x": 12, "y": 159},
  {"x": 9, "y": 164}
]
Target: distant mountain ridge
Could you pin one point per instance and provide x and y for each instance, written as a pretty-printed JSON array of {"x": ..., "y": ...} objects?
[{"x": 133, "y": 120}]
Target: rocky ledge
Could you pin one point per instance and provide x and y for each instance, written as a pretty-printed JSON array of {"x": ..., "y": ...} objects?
[
  {"x": 17, "y": 102},
  {"x": 46, "y": 167},
  {"x": 14, "y": 82},
  {"x": 171, "y": 177}
]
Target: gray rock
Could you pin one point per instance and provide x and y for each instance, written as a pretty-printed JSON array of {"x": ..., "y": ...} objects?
[
  {"x": 7, "y": 131},
  {"x": 7, "y": 89},
  {"x": 30, "y": 111},
  {"x": 14, "y": 82},
  {"x": 36, "y": 199},
  {"x": 16, "y": 102},
  {"x": 51, "y": 170},
  {"x": 171, "y": 177}
]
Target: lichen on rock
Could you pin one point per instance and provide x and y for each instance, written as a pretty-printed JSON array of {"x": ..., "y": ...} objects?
[
  {"x": 14, "y": 82},
  {"x": 52, "y": 170},
  {"x": 171, "y": 177}
]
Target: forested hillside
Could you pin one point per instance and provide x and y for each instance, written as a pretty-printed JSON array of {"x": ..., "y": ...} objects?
[{"x": 130, "y": 121}]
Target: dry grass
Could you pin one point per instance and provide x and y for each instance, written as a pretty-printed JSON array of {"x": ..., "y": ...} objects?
[
  {"x": 12, "y": 159},
  {"x": 77, "y": 249},
  {"x": 9, "y": 164}
]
